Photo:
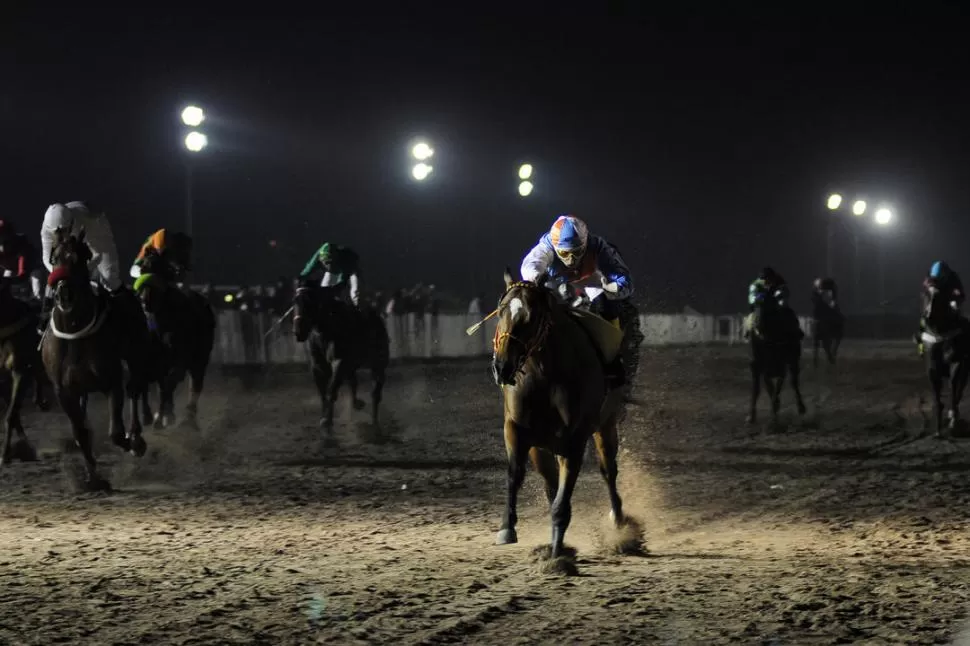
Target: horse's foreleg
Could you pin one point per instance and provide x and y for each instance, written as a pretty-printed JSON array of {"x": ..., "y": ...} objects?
[
  {"x": 817, "y": 342},
  {"x": 337, "y": 376},
  {"x": 116, "y": 425},
  {"x": 774, "y": 393},
  {"x": 321, "y": 377},
  {"x": 41, "y": 384},
  {"x": 166, "y": 389},
  {"x": 196, "y": 382},
  {"x": 545, "y": 464},
  {"x": 958, "y": 382},
  {"x": 352, "y": 382},
  {"x": 606, "y": 448},
  {"x": 936, "y": 382},
  {"x": 20, "y": 380},
  {"x": 795, "y": 367},
  {"x": 562, "y": 509},
  {"x": 755, "y": 391},
  {"x": 147, "y": 416},
  {"x": 377, "y": 392},
  {"x": 71, "y": 405},
  {"x": 516, "y": 450},
  {"x": 135, "y": 389}
]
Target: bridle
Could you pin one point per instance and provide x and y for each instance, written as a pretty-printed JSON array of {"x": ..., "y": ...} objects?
[{"x": 531, "y": 347}]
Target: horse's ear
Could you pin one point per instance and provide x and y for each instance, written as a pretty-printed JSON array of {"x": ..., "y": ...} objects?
[{"x": 509, "y": 279}]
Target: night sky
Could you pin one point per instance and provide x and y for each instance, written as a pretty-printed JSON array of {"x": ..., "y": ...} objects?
[{"x": 704, "y": 146}]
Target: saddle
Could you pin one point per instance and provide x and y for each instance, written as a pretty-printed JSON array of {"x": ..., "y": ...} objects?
[{"x": 607, "y": 337}]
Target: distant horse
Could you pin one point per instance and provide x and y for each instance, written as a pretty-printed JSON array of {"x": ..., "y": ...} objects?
[
  {"x": 83, "y": 350},
  {"x": 19, "y": 358},
  {"x": 556, "y": 398},
  {"x": 183, "y": 330},
  {"x": 342, "y": 340},
  {"x": 776, "y": 350},
  {"x": 946, "y": 339},
  {"x": 829, "y": 326}
]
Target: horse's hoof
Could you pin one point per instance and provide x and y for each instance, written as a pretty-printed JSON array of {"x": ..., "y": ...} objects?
[
  {"x": 138, "y": 446},
  {"x": 617, "y": 522},
  {"x": 121, "y": 441},
  {"x": 359, "y": 404},
  {"x": 42, "y": 405},
  {"x": 24, "y": 451},
  {"x": 158, "y": 422},
  {"x": 751, "y": 419},
  {"x": 325, "y": 424},
  {"x": 97, "y": 484},
  {"x": 801, "y": 409},
  {"x": 506, "y": 537}
]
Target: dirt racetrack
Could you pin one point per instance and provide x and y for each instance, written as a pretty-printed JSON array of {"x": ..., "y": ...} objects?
[{"x": 845, "y": 527}]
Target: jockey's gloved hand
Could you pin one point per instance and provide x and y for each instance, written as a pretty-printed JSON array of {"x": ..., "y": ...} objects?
[
  {"x": 612, "y": 288},
  {"x": 565, "y": 292}
]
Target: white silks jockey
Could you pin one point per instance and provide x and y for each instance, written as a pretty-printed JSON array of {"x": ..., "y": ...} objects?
[{"x": 74, "y": 216}]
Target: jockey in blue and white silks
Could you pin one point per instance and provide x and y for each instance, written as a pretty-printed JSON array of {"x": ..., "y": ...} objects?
[{"x": 569, "y": 255}]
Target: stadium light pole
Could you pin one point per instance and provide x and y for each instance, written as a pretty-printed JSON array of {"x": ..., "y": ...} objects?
[{"x": 195, "y": 142}]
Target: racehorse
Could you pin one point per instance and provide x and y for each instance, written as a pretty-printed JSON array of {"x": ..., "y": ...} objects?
[
  {"x": 20, "y": 358},
  {"x": 947, "y": 351},
  {"x": 342, "y": 340},
  {"x": 83, "y": 350},
  {"x": 183, "y": 333},
  {"x": 829, "y": 325},
  {"x": 555, "y": 394},
  {"x": 776, "y": 349}
]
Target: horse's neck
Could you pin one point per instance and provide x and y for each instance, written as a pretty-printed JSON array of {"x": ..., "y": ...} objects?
[{"x": 89, "y": 305}]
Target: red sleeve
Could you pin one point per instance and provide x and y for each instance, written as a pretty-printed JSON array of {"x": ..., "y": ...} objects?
[{"x": 21, "y": 266}]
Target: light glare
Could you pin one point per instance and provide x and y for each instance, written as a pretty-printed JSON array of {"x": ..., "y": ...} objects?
[
  {"x": 525, "y": 171},
  {"x": 422, "y": 151},
  {"x": 859, "y": 207},
  {"x": 884, "y": 216},
  {"x": 421, "y": 171},
  {"x": 834, "y": 202},
  {"x": 195, "y": 141},
  {"x": 193, "y": 116},
  {"x": 525, "y": 188}
]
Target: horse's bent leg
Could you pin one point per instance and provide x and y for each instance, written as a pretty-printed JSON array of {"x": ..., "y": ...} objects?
[
  {"x": 545, "y": 463},
  {"x": 562, "y": 510},
  {"x": 517, "y": 450},
  {"x": 71, "y": 405},
  {"x": 606, "y": 448},
  {"x": 755, "y": 391}
]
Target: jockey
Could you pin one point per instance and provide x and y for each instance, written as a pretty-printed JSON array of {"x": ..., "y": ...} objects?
[
  {"x": 340, "y": 266},
  {"x": 943, "y": 278},
  {"x": 104, "y": 265},
  {"x": 570, "y": 254},
  {"x": 18, "y": 260},
  {"x": 174, "y": 248},
  {"x": 770, "y": 289},
  {"x": 825, "y": 295}
]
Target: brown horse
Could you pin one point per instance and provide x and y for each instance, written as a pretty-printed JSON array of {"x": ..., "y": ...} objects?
[
  {"x": 83, "y": 350},
  {"x": 18, "y": 357},
  {"x": 183, "y": 325},
  {"x": 342, "y": 340},
  {"x": 553, "y": 383}
]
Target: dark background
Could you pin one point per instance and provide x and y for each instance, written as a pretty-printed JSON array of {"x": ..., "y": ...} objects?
[{"x": 703, "y": 144}]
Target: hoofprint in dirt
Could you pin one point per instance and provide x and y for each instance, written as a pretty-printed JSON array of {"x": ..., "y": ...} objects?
[{"x": 847, "y": 526}]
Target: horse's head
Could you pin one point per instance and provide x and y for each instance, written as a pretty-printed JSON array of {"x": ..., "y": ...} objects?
[
  {"x": 69, "y": 259},
  {"x": 524, "y": 319},
  {"x": 314, "y": 307}
]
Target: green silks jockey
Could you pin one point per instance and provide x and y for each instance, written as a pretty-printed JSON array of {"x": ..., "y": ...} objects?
[{"x": 340, "y": 266}]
